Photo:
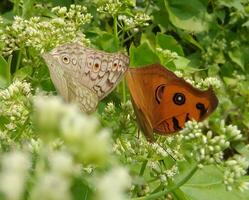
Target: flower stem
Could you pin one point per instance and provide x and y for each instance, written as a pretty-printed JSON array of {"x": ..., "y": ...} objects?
[
  {"x": 115, "y": 31},
  {"x": 172, "y": 188},
  {"x": 124, "y": 91}
]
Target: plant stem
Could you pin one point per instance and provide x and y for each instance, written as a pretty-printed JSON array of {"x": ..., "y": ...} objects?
[
  {"x": 18, "y": 60},
  {"x": 141, "y": 173},
  {"x": 115, "y": 31},
  {"x": 124, "y": 91},
  {"x": 175, "y": 186}
]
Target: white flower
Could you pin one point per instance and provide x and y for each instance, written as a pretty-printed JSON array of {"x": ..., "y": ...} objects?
[
  {"x": 51, "y": 186},
  {"x": 15, "y": 166},
  {"x": 62, "y": 163},
  {"x": 113, "y": 185}
]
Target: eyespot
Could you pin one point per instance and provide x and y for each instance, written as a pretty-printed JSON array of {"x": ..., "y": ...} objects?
[
  {"x": 90, "y": 62},
  {"x": 120, "y": 65},
  {"x": 65, "y": 59},
  {"x": 114, "y": 65},
  {"x": 179, "y": 98},
  {"x": 96, "y": 66}
]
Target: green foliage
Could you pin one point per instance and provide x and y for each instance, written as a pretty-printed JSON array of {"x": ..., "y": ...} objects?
[{"x": 50, "y": 150}]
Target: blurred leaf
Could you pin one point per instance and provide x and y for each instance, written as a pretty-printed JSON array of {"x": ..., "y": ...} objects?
[
  {"x": 213, "y": 70},
  {"x": 160, "y": 16},
  {"x": 4, "y": 72},
  {"x": 23, "y": 72},
  {"x": 106, "y": 42},
  {"x": 27, "y": 8},
  {"x": 237, "y": 57},
  {"x": 189, "y": 15},
  {"x": 208, "y": 183},
  {"x": 232, "y": 3},
  {"x": 142, "y": 55},
  {"x": 168, "y": 42},
  {"x": 150, "y": 38},
  {"x": 189, "y": 38},
  {"x": 181, "y": 62}
]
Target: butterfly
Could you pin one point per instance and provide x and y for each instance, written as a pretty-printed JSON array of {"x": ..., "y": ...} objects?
[
  {"x": 163, "y": 102},
  {"x": 84, "y": 75}
]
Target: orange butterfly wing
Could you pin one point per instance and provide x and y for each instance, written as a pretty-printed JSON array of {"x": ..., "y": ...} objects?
[{"x": 163, "y": 102}]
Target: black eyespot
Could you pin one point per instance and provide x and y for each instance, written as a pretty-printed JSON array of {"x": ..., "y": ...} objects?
[
  {"x": 179, "y": 98},
  {"x": 201, "y": 107},
  {"x": 65, "y": 59}
]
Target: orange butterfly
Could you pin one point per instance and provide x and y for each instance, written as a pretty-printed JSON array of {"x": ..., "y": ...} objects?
[{"x": 163, "y": 102}]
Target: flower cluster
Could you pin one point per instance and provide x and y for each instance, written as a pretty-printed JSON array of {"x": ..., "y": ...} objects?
[
  {"x": 69, "y": 147},
  {"x": 208, "y": 82},
  {"x": 208, "y": 149},
  {"x": 166, "y": 55},
  {"x": 235, "y": 168},
  {"x": 120, "y": 120},
  {"x": 113, "y": 184},
  {"x": 15, "y": 167},
  {"x": 231, "y": 132},
  {"x": 15, "y": 111},
  {"x": 140, "y": 19},
  {"x": 112, "y": 7},
  {"x": 54, "y": 119},
  {"x": 76, "y": 13},
  {"x": 139, "y": 150},
  {"x": 203, "y": 84},
  {"x": 41, "y": 35},
  {"x": 215, "y": 49}
]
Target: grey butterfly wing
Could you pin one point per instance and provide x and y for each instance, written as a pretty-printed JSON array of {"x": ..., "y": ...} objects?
[
  {"x": 84, "y": 97},
  {"x": 105, "y": 71},
  {"x": 97, "y": 70},
  {"x": 88, "y": 69},
  {"x": 57, "y": 75}
]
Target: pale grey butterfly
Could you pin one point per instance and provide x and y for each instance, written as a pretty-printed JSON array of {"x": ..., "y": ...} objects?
[{"x": 84, "y": 75}]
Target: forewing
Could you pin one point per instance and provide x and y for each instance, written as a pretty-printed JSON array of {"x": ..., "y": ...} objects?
[
  {"x": 57, "y": 75},
  {"x": 97, "y": 70},
  {"x": 83, "y": 96}
]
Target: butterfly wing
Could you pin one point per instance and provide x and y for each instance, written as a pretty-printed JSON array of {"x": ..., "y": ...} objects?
[
  {"x": 57, "y": 75},
  {"x": 83, "y": 96},
  {"x": 88, "y": 69},
  {"x": 137, "y": 96},
  {"x": 166, "y": 100}
]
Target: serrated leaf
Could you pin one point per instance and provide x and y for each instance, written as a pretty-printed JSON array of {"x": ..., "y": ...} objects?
[
  {"x": 189, "y": 15},
  {"x": 168, "y": 42},
  {"x": 142, "y": 55}
]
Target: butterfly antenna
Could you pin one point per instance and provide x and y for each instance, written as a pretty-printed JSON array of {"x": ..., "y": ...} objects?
[
  {"x": 138, "y": 133},
  {"x": 165, "y": 149}
]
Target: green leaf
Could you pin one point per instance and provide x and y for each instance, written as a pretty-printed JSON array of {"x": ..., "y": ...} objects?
[
  {"x": 181, "y": 62},
  {"x": 207, "y": 184},
  {"x": 168, "y": 42},
  {"x": 189, "y": 15},
  {"x": 213, "y": 70},
  {"x": 23, "y": 72},
  {"x": 106, "y": 42},
  {"x": 142, "y": 55},
  {"x": 4, "y": 72},
  {"x": 189, "y": 38},
  {"x": 27, "y": 8},
  {"x": 232, "y": 4},
  {"x": 237, "y": 56},
  {"x": 160, "y": 16}
]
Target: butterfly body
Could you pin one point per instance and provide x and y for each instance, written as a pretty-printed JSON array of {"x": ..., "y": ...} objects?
[
  {"x": 84, "y": 75},
  {"x": 164, "y": 102}
]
